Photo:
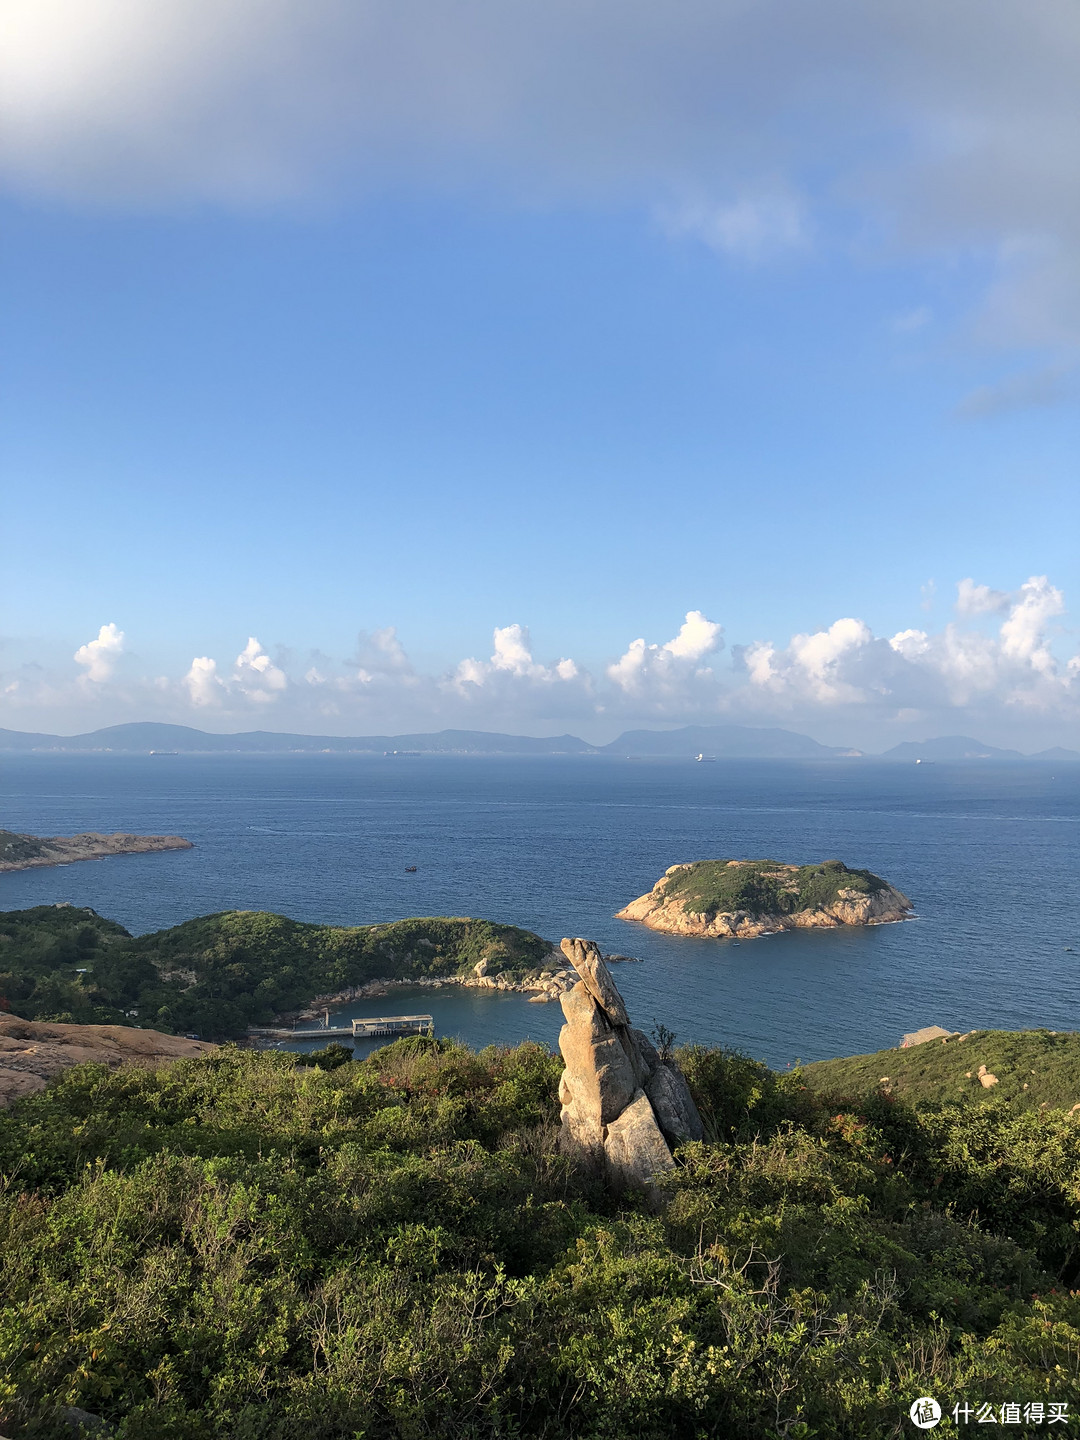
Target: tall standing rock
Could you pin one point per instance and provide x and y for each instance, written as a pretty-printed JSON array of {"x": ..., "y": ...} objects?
[{"x": 620, "y": 1101}]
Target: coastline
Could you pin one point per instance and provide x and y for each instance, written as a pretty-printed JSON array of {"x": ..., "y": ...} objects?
[
  {"x": 549, "y": 985},
  {"x": 69, "y": 849}
]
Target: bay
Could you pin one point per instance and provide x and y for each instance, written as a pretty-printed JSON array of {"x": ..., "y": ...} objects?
[{"x": 990, "y": 854}]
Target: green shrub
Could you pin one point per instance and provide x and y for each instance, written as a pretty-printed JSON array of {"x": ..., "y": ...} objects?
[
  {"x": 763, "y": 887},
  {"x": 397, "y": 1248}
]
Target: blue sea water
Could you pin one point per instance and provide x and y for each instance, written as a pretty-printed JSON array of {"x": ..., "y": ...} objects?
[{"x": 990, "y": 854}]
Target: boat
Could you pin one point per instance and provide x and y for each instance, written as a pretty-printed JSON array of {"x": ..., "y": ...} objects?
[
  {"x": 410, "y": 869},
  {"x": 705, "y": 759}
]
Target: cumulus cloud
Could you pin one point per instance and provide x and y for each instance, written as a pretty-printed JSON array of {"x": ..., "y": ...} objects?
[
  {"x": 663, "y": 671},
  {"x": 203, "y": 684},
  {"x": 1023, "y": 635},
  {"x": 256, "y": 674},
  {"x": 1001, "y": 656},
  {"x": 938, "y": 128},
  {"x": 919, "y": 672},
  {"x": 511, "y": 656},
  {"x": 972, "y": 599},
  {"x": 99, "y": 657}
]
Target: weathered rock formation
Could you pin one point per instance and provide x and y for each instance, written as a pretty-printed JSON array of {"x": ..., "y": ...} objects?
[
  {"x": 620, "y": 1102},
  {"x": 673, "y": 906},
  {"x": 33, "y": 1053},
  {"x": 927, "y": 1033},
  {"x": 24, "y": 852}
]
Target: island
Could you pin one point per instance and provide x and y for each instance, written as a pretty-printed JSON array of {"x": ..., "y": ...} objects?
[
  {"x": 744, "y": 898},
  {"x": 24, "y": 852}
]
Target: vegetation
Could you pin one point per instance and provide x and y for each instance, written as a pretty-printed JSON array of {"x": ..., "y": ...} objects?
[
  {"x": 398, "y": 1248},
  {"x": 763, "y": 887},
  {"x": 217, "y": 975},
  {"x": 14, "y": 847},
  {"x": 1033, "y": 1068}
]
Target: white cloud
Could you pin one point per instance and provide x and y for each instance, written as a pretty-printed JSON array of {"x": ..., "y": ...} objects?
[
  {"x": 964, "y": 674},
  {"x": 911, "y": 644},
  {"x": 101, "y": 655},
  {"x": 972, "y": 599},
  {"x": 202, "y": 682},
  {"x": 820, "y": 656},
  {"x": 256, "y": 674},
  {"x": 1023, "y": 635},
  {"x": 379, "y": 655},
  {"x": 661, "y": 673},
  {"x": 512, "y": 656}
]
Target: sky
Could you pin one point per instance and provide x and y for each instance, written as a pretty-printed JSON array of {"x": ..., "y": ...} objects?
[{"x": 371, "y": 367}]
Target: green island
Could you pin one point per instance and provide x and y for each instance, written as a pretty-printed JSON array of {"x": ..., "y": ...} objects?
[
  {"x": 766, "y": 886},
  {"x": 752, "y": 897},
  {"x": 219, "y": 974}
]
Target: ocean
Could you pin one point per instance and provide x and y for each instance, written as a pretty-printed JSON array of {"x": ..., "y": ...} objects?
[{"x": 989, "y": 853}]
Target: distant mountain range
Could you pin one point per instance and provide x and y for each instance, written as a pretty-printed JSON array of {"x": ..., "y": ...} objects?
[
  {"x": 963, "y": 747},
  {"x": 720, "y": 742}
]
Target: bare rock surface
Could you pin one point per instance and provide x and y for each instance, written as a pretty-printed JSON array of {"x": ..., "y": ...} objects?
[
  {"x": 620, "y": 1101},
  {"x": 25, "y": 852},
  {"x": 34, "y": 1052},
  {"x": 928, "y": 1032}
]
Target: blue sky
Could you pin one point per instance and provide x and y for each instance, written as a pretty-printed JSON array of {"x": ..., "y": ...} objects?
[{"x": 379, "y": 341}]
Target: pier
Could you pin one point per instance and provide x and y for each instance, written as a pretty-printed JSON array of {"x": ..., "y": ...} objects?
[{"x": 367, "y": 1029}]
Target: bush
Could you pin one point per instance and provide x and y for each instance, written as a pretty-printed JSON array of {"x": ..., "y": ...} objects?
[{"x": 249, "y": 1246}]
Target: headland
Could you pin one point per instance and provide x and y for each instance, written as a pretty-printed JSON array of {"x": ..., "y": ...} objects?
[{"x": 25, "y": 852}]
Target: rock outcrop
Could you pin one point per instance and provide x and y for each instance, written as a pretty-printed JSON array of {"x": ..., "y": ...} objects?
[
  {"x": 25, "y": 852},
  {"x": 757, "y": 897},
  {"x": 927, "y": 1033},
  {"x": 621, "y": 1102},
  {"x": 32, "y": 1053}
]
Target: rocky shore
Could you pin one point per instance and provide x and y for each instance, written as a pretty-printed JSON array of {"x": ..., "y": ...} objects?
[
  {"x": 25, "y": 852},
  {"x": 550, "y": 982},
  {"x": 696, "y": 899}
]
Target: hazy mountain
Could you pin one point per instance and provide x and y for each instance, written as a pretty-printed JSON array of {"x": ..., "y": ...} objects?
[
  {"x": 727, "y": 742},
  {"x": 950, "y": 747},
  {"x": 141, "y": 737},
  {"x": 724, "y": 742}
]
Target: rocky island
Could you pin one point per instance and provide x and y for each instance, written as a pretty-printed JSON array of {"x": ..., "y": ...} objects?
[
  {"x": 759, "y": 897},
  {"x": 24, "y": 852}
]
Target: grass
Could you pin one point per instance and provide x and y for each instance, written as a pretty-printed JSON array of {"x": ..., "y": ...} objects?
[
  {"x": 1035, "y": 1069},
  {"x": 763, "y": 887}
]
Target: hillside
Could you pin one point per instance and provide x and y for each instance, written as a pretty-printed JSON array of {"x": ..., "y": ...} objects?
[
  {"x": 245, "y": 1246},
  {"x": 217, "y": 975},
  {"x": 1033, "y": 1068},
  {"x": 755, "y": 897}
]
